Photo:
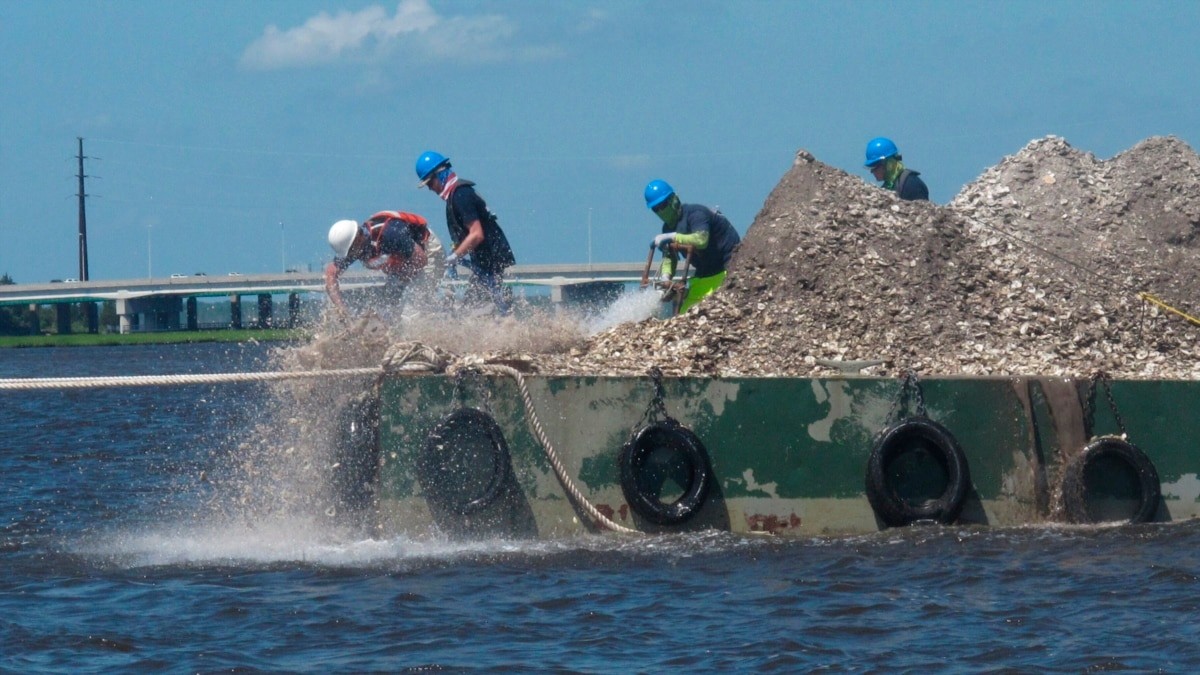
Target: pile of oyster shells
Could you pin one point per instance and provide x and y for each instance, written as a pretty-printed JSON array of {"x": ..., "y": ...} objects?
[{"x": 1035, "y": 268}]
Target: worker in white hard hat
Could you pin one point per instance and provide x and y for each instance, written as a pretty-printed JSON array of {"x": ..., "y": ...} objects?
[{"x": 397, "y": 243}]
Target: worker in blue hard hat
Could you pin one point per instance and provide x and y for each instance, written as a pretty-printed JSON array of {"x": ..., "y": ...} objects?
[
  {"x": 473, "y": 230},
  {"x": 706, "y": 230},
  {"x": 884, "y": 161}
]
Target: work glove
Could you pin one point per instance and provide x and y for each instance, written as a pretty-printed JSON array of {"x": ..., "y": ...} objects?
[
  {"x": 452, "y": 266},
  {"x": 662, "y": 240},
  {"x": 664, "y": 278}
]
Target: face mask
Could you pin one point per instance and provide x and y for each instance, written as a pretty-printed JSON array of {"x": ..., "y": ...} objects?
[{"x": 670, "y": 213}]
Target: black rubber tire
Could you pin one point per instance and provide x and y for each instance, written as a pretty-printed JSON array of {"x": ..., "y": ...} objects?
[
  {"x": 890, "y": 444},
  {"x": 442, "y": 481},
  {"x": 633, "y": 459},
  {"x": 1075, "y": 488},
  {"x": 355, "y": 462}
]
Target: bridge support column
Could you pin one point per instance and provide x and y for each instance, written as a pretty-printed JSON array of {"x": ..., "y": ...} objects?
[
  {"x": 35, "y": 321},
  {"x": 235, "y": 312},
  {"x": 125, "y": 315},
  {"x": 265, "y": 307},
  {"x": 62, "y": 316},
  {"x": 293, "y": 309},
  {"x": 91, "y": 313},
  {"x": 192, "y": 324}
]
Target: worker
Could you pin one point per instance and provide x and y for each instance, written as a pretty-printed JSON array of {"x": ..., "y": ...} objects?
[
  {"x": 884, "y": 161},
  {"x": 473, "y": 229},
  {"x": 708, "y": 232},
  {"x": 397, "y": 243}
]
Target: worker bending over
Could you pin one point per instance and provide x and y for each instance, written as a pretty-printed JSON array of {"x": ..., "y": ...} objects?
[
  {"x": 397, "y": 243},
  {"x": 708, "y": 232}
]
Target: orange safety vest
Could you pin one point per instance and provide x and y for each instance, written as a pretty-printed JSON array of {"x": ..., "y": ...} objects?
[{"x": 393, "y": 264}]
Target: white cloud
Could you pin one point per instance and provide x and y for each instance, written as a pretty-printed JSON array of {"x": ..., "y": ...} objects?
[
  {"x": 593, "y": 20},
  {"x": 371, "y": 34},
  {"x": 630, "y": 161}
]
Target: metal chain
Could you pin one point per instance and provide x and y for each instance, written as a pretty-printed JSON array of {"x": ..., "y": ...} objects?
[
  {"x": 474, "y": 376},
  {"x": 657, "y": 410},
  {"x": 1102, "y": 379},
  {"x": 908, "y": 383},
  {"x": 460, "y": 393}
]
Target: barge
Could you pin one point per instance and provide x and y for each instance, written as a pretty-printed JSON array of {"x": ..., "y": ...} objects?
[{"x": 487, "y": 453}]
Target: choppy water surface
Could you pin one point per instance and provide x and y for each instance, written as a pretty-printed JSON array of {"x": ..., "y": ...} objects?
[{"x": 121, "y": 549}]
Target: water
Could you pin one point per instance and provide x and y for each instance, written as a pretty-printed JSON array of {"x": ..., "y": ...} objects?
[{"x": 116, "y": 558}]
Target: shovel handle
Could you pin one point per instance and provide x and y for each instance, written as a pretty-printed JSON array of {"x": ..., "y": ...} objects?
[{"x": 646, "y": 271}]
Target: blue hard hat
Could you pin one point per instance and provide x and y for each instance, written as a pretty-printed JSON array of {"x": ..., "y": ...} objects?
[
  {"x": 427, "y": 163},
  {"x": 657, "y": 192},
  {"x": 879, "y": 149}
]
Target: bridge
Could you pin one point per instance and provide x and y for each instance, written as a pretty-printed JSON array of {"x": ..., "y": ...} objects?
[{"x": 157, "y": 303}]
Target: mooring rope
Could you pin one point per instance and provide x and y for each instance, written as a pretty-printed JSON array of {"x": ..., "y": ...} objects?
[
  {"x": 560, "y": 471},
  {"x": 200, "y": 378},
  {"x": 401, "y": 358}
]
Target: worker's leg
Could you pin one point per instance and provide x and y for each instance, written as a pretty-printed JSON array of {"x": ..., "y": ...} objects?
[
  {"x": 390, "y": 303},
  {"x": 699, "y": 288},
  {"x": 500, "y": 294}
]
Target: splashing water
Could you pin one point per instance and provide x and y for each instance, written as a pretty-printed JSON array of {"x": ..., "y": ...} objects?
[
  {"x": 630, "y": 306},
  {"x": 276, "y": 498}
]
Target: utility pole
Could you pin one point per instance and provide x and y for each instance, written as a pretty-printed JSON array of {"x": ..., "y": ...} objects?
[
  {"x": 83, "y": 251},
  {"x": 90, "y": 313}
]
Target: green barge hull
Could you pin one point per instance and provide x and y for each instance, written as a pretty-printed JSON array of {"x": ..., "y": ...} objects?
[{"x": 785, "y": 456}]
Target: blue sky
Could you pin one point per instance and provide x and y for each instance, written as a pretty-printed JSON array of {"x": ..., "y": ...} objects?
[{"x": 228, "y": 135}]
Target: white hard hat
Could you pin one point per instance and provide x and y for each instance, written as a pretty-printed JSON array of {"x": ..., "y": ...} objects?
[{"x": 341, "y": 237}]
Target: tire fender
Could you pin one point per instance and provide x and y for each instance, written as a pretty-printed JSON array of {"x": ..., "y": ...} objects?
[
  {"x": 447, "y": 458},
  {"x": 355, "y": 462},
  {"x": 1075, "y": 488},
  {"x": 697, "y": 467},
  {"x": 893, "y": 442}
]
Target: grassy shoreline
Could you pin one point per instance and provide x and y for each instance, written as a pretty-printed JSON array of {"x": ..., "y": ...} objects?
[{"x": 172, "y": 337}]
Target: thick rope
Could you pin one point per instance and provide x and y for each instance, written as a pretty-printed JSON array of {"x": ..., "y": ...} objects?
[
  {"x": 201, "y": 378},
  {"x": 536, "y": 426},
  {"x": 404, "y": 357},
  {"x": 401, "y": 358}
]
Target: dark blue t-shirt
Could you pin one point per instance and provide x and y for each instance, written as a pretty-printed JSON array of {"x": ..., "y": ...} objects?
[
  {"x": 910, "y": 186},
  {"x": 722, "y": 238},
  {"x": 464, "y": 207}
]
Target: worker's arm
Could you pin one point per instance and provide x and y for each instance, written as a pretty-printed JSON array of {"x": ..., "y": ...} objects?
[
  {"x": 333, "y": 289},
  {"x": 474, "y": 238},
  {"x": 667, "y": 269},
  {"x": 697, "y": 240}
]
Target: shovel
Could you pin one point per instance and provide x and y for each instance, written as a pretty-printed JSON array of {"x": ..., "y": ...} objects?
[{"x": 672, "y": 291}]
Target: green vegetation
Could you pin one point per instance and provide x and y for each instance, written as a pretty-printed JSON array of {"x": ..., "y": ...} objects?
[{"x": 92, "y": 340}]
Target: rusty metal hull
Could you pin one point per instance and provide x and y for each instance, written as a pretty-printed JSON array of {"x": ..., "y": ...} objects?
[{"x": 788, "y": 456}]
